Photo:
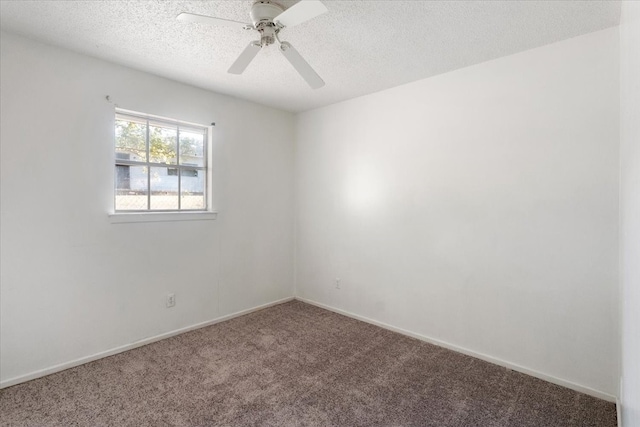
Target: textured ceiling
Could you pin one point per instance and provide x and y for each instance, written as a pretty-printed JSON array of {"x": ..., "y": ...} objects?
[{"x": 359, "y": 47}]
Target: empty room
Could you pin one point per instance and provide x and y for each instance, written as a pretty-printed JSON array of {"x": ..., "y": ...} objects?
[{"x": 320, "y": 213}]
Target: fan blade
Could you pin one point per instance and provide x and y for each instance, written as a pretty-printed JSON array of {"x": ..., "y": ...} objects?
[
  {"x": 301, "y": 66},
  {"x": 245, "y": 58},
  {"x": 192, "y": 17},
  {"x": 300, "y": 12}
]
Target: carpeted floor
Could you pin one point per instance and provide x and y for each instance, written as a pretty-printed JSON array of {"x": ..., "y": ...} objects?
[{"x": 296, "y": 365}]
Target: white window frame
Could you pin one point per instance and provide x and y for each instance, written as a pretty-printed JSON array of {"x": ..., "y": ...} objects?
[{"x": 153, "y": 215}]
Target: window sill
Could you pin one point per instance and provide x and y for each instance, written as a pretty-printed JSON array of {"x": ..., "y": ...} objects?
[{"x": 123, "y": 217}]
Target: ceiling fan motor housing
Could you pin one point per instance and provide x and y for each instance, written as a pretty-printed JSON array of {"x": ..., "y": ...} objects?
[{"x": 262, "y": 14}]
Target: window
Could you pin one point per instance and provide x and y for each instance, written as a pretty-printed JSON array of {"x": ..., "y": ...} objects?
[{"x": 160, "y": 164}]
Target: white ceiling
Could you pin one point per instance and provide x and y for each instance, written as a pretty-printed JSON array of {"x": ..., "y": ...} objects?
[{"x": 359, "y": 47}]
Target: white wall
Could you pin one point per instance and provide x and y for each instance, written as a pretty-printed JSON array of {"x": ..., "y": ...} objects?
[
  {"x": 478, "y": 207},
  {"x": 72, "y": 283},
  {"x": 630, "y": 210}
]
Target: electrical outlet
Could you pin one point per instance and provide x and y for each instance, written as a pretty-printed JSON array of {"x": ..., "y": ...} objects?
[
  {"x": 337, "y": 283},
  {"x": 171, "y": 300}
]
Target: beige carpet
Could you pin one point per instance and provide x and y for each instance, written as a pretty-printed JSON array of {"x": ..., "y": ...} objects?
[{"x": 296, "y": 365}]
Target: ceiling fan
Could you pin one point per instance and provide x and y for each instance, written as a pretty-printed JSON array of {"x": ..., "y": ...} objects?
[{"x": 268, "y": 19}]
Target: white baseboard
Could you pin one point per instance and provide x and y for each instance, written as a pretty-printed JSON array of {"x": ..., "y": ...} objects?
[
  {"x": 73, "y": 363},
  {"x": 485, "y": 357},
  {"x": 619, "y": 411}
]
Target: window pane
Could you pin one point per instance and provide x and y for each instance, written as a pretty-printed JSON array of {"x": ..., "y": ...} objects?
[
  {"x": 131, "y": 188},
  {"x": 164, "y": 189},
  {"x": 162, "y": 143},
  {"x": 192, "y": 189},
  {"x": 131, "y": 139},
  {"x": 180, "y": 183},
  {"x": 192, "y": 147}
]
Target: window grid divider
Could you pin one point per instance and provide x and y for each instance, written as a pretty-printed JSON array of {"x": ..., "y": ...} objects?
[
  {"x": 148, "y": 157},
  {"x": 125, "y": 162},
  {"x": 178, "y": 162}
]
